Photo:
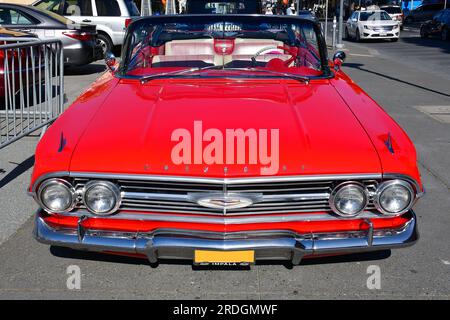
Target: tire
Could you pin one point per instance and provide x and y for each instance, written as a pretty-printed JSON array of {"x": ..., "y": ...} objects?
[
  {"x": 357, "y": 36},
  {"x": 423, "y": 33},
  {"x": 346, "y": 34},
  {"x": 445, "y": 34},
  {"x": 105, "y": 43}
]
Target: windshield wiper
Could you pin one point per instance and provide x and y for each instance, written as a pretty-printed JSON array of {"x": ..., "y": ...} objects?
[
  {"x": 277, "y": 73},
  {"x": 282, "y": 74},
  {"x": 175, "y": 73}
]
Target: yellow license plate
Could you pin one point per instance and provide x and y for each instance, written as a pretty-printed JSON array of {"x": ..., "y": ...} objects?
[{"x": 207, "y": 256}]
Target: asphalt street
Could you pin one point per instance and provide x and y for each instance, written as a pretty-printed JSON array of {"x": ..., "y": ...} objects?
[{"x": 409, "y": 78}]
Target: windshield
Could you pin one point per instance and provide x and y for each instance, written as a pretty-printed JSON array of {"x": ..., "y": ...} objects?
[
  {"x": 392, "y": 10},
  {"x": 377, "y": 15},
  {"x": 222, "y": 6},
  {"x": 55, "y": 16},
  {"x": 215, "y": 44}
]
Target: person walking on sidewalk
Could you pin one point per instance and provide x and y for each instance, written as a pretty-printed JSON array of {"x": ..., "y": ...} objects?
[{"x": 291, "y": 10}]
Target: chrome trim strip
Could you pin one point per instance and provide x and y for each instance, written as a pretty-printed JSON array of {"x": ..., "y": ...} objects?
[
  {"x": 225, "y": 220},
  {"x": 154, "y": 196},
  {"x": 56, "y": 174},
  {"x": 224, "y": 180},
  {"x": 298, "y": 197},
  {"x": 240, "y": 180},
  {"x": 390, "y": 176},
  {"x": 276, "y": 246}
]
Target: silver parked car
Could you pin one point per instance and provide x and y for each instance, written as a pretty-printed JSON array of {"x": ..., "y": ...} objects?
[
  {"x": 79, "y": 40},
  {"x": 110, "y": 16}
]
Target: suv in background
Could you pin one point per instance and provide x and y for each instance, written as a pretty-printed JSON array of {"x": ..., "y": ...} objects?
[
  {"x": 423, "y": 12},
  {"x": 439, "y": 26},
  {"x": 110, "y": 16},
  {"x": 395, "y": 12}
]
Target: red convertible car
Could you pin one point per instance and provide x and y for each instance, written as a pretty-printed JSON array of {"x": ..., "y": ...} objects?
[{"x": 225, "y": 139}]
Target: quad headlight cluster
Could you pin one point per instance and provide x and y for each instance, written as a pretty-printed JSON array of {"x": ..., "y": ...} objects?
[
  {"x": 348, "y": 199},
  {"x": 99, "y": 197},
  {"x": 393, "y": 197}
]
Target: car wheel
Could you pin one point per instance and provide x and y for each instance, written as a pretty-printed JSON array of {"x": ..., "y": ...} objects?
[
  {"x": 105, "y": 43},
  {"x": 423, "y": 33},
  {"x": 346, "y": 34},
  {"x": 357, "y": 36},
  {"x": 444, "y": 34}
]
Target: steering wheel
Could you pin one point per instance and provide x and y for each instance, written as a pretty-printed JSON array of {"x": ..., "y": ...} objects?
[{"x": 292, "y": 51}]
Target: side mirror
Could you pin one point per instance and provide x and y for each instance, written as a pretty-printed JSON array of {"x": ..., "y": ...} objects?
[
  {"x": 110, "y": 60},
  {"x": 354, "y": 19},
  {"x": 338, "y": 59}
]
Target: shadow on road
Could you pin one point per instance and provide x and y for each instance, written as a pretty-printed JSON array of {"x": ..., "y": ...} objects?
[
  {"x": 17, "y": 171},
  {"x": 63, "y": 252},
  {"x": 68, "y": 253},
  {"x": 85, "y": 70},
  {"x": 359, "y": 67},
  {"x": 429, "y": 42},
  {"x": 368, "y": 41}
]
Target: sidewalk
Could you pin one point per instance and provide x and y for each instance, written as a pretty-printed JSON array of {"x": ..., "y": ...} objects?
[{"x": 17, "y": 160}]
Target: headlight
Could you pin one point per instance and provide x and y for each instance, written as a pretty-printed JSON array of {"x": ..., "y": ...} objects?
[
  {"x": 394, "y": 197},
  {"x": 101, "y": 197},
  {"x": 56, "y": 196},
  {"x": 348, "y": 199}
]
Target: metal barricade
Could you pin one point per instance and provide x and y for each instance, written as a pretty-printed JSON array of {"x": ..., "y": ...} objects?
[{"x": 31, "y": 86}]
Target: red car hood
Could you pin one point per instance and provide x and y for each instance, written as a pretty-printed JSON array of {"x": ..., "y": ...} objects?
[{"x": 131, "y": 133}]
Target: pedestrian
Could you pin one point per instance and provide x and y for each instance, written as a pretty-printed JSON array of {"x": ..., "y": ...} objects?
[{"x": 291, "y": 10}]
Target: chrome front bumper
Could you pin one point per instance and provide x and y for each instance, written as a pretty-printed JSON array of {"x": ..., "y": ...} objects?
[{"x": 268, "y": 245}]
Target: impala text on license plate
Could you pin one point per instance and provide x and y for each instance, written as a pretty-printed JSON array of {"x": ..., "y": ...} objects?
[{"x": 225, "y": 258}]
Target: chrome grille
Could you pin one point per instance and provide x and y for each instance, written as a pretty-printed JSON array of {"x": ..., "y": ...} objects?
[
  {"x": 383, "y": 28},
  {"x": 276, "y": 197}
]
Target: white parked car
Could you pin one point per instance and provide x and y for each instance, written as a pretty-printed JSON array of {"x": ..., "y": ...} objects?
[
  {"x": 110, "y": 16},
  {"x": 375, "y": 24}
]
